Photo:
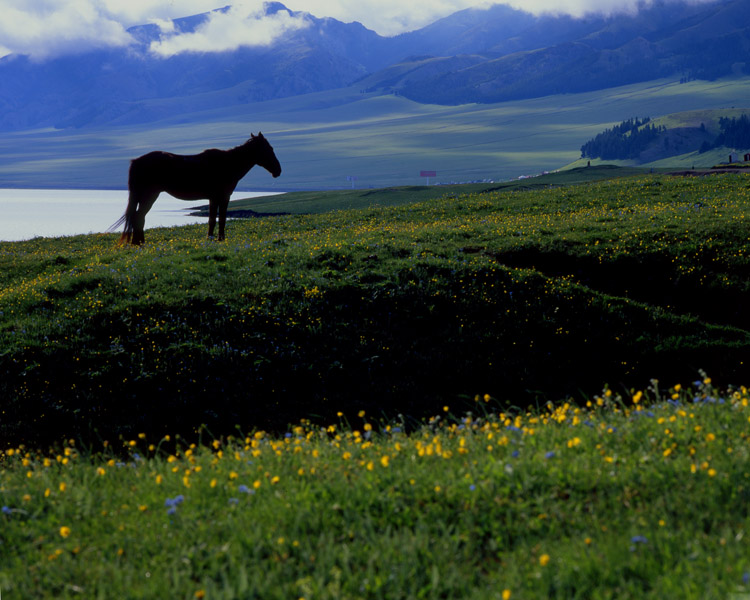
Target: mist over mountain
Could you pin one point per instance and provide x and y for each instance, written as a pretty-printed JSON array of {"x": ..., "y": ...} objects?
[{"x": 474, "y": 55}]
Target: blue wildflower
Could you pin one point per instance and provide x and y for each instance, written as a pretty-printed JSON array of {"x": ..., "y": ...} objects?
[
  {"x": 174, "y": 502},
  {"x": 550, "y": 454},
  {"x": 234, "y": 501},
  {"x": 244, "y": 489},
  {"x": 637, "y": 539},
  {"x": 7, "y": 510}
]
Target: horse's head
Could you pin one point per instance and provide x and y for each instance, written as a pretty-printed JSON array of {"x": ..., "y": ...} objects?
[{"x": 265, "y": 155}]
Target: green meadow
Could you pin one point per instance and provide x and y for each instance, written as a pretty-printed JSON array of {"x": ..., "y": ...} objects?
[
  {"x": 642, "y": 496},
  {"x": 504, "y": 391},
  {"x": 323, "y": 139},
  {"x": 529, "y": 295}
]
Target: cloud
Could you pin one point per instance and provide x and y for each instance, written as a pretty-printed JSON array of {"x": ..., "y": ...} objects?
[
  {"x": 579, "y": 8},
  {"x": 43, "y": 28},
  {"x": 240, "y": 25},
  {"x": 138, "y": 12},
  {"x": 390, "y": 17},
  {"x": 387, "y": 17}
]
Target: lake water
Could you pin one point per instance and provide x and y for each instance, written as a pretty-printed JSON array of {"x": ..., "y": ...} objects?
[{"x": 25, "y": 214}]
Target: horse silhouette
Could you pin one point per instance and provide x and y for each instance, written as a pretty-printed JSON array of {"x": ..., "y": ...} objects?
[{"x": 211, "y": 175}]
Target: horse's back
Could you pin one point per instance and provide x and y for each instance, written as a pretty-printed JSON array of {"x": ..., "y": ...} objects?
[{"x": 185, "y": 176}]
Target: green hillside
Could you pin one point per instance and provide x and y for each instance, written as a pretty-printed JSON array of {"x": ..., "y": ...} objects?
[
  {"x": 679, "y": 140},
  {"x": 322, "y": 139},
  {"x": 326, "y": 201},
  {"x": 528, "y": 295}
]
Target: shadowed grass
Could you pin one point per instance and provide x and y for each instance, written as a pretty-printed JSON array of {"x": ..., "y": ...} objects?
[{"x": 526, "y": 295}]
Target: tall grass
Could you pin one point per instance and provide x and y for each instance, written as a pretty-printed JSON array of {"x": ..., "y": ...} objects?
[
  {"x": 643, "y": 496},
  {"x": 440, "y": 365}
]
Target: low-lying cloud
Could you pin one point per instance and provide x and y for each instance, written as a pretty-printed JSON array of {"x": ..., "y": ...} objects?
[
  {"x": 43, "y": 29},
  {"x": 46, "y": 28},
  {"x": 391, "y": 17},
  {"x": 240, "y": 25},
  {"x": 579, "y": 8}
]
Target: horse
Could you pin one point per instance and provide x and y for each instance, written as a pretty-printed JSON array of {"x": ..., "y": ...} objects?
[{"x": 211, "y": 175}]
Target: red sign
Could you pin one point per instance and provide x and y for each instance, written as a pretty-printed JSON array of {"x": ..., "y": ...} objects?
[{"x": 428, "y": 173}]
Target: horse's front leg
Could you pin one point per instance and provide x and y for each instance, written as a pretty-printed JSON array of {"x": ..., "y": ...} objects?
[
  {"x": 223, "y": 205},
  {"x": 212, "y": 206}
]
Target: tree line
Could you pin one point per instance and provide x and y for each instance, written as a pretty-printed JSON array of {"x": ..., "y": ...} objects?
[
  {"x": 734, "y": 133},
  {"x": 624, "y": 141}
]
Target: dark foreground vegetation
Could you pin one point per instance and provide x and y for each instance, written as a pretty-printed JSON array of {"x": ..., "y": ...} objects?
[{"x": 524, "y": 295}]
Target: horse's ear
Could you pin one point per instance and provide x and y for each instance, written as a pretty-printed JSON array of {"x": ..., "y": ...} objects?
[{"x": 260, "y": 135}]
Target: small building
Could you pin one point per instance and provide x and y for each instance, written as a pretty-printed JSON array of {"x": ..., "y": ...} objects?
[
  {"x": 732, "y": 158},
  {"x": 747, "y": 157}
]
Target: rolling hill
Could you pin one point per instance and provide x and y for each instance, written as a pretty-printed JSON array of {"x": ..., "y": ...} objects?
[
  {"x": 685, "y": 139},
  {"x": 556, "y": 55},
  {"x": 323, "y": 139}
]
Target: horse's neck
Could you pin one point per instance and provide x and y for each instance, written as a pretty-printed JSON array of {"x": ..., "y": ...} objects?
[{"x": 243, "y": 159}]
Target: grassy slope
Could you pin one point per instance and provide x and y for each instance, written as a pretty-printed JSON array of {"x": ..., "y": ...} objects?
[
  {"x": 685, "y": 125},
  {"x": 321, "y": 139},
  {"x": 526, "y": 295},
  {"x": 325, "y": 201}
]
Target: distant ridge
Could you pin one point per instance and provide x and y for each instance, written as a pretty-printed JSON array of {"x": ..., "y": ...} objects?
[
  {"x": 484, "y": 56},
  {"x": 553, "y": 55}
]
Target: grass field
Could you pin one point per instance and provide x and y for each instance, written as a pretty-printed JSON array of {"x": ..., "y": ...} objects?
[
  {"x": 632, "y": 497},
  {"x": 325, "y": 201},
  {"x": 453, "y": 396},
  {"x": 322, "y": 139},
  {"x": 528, "y": 295}
]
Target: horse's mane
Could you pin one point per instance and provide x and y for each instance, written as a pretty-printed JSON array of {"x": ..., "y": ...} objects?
[{"x": 252, "y": 141}]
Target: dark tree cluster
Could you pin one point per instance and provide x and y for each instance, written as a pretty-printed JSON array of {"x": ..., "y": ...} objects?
[
  {"x": 735, "y": 133},
  {"x": 624, "y": 141}
]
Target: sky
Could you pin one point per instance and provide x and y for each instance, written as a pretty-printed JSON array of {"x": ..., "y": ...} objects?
[{"x": 47, "y": 28}]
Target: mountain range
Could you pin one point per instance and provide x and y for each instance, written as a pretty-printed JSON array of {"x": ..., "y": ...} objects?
[{"x": 474, "y": 55}]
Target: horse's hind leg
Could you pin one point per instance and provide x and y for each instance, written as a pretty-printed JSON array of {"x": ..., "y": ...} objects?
[
  {"x": 139, "y": 221},
  {"x": 212, "y": 206},
  {"x": 223, "y": 205}
]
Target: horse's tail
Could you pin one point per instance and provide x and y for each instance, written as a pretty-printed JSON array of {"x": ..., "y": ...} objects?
[{"x": 128, "y": 218}]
